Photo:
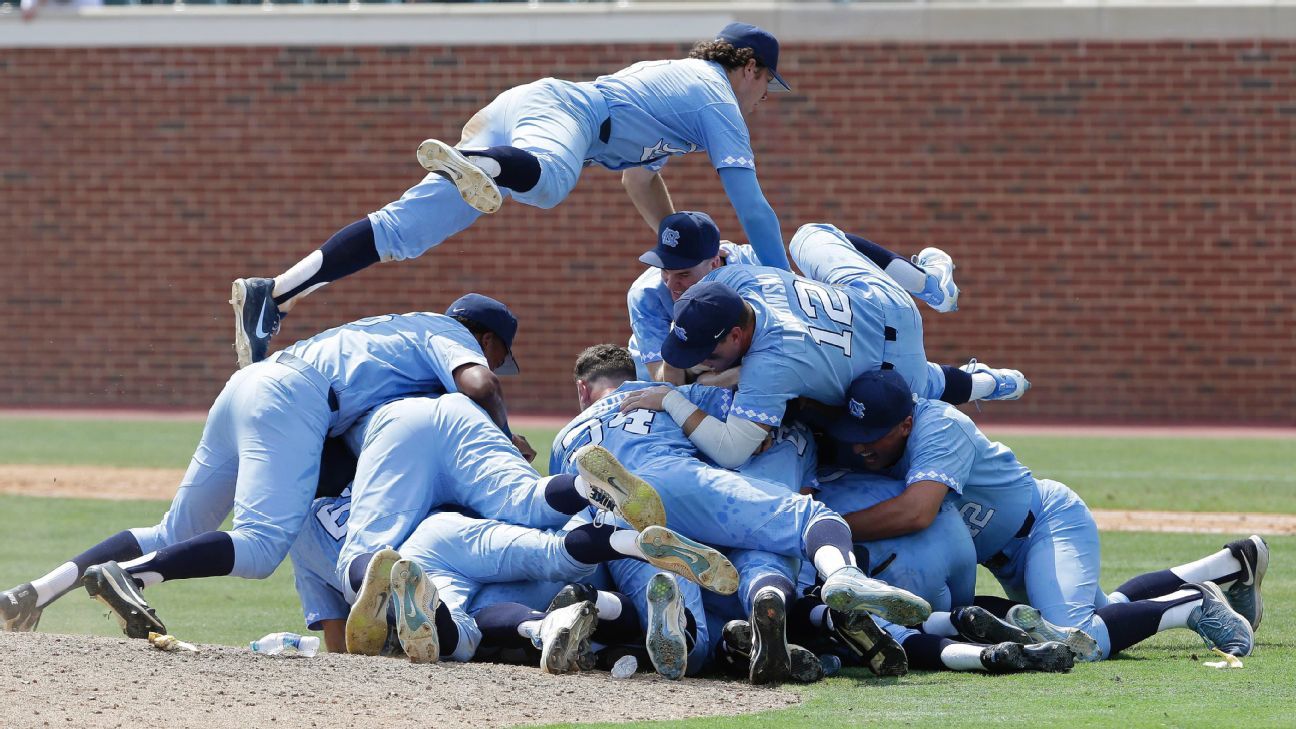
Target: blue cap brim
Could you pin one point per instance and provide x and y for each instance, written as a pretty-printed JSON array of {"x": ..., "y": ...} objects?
[
  {"x": 681, "y": 355},
  {"x": 510, "y": 366},
  {"x": 850, "y": 430},
  {"x": 667, "y": 261},
  {"x": 780, "y": 81}
]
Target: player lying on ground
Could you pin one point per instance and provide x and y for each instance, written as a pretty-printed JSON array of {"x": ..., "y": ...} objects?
[
  {"x": 261, "y": 446},
  {"x": 689, "y": 247},
  {"x": 531, "y": 143},
  {"x": 1035, "y": 535}
]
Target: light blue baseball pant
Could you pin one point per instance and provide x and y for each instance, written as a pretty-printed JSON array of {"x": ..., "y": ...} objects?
[
  {"x": 631, "y": 579},
  {"x": 419, "y": 453},
  {"x": 557, "y": 121},
  {"x": 823, "y": 253},
  {"x": 259, "y": 455},
  {"x": 1056, "y": 567}
]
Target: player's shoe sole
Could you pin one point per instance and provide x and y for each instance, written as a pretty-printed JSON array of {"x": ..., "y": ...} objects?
[
  {"x": 697, "y": 562},
  {"x": 256, "y": 318},
  {"x": 847, "y": 590},
  {"x": 1008, "y": 657},
  {"x": 872, "y": 646},
  {"x": 1244, "y": 594},
  {"x": 476, "y": 187},
  {"x": 665, "y": 640},
  {"x": 805, "y": 666},
  {"x": 565, "y": 637},
  {"x": 616, "y": 489},
  {"x": 978, "y": 625},
  {"x": 416, "y": 602},
  {"x": 18, "y": 609},
  {"x": 941, "y": 293},
  {"x": 113, "y": 586},
  {"x": 1029, "y": 619},
  {"x": 771, "y": 659},
  {"x": 366, "y": 625}
]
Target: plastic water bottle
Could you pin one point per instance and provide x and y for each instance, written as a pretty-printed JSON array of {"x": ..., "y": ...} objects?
[
  {"x": 287, "y": 644},
  {"x": 625, "y": 667}
]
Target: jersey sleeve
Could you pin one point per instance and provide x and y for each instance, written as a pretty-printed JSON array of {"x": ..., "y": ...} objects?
[
  {"x": 764, "y": 389},
  {"x": 714, "y": 401},
  {"x": 451, "y": 349},
  {"x": 650, "y": 324},
  {"x": 941, "y": 451},
  {"x": 725, "y": 135}
]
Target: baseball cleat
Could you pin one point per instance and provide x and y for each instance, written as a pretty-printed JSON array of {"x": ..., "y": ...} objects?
[
  {"x": 366, "y": 625},
  {"x": 1244, "y": 594},
  {"x": 770, "y": 657},
  {"x": 666, "y": 640},
  {"x": 565, "y": 635},
  {"x": 256, "y": 318},
  {"x": 113, "y": 586},
  {"x": 1219, "y": 625},
  {"x": 573, "y": 593},
  {"x": 978, "y": 625},
  {"x": 1009, "y": 384},
  {"x": 677, "y": 553},
  {"x": 940, "y": 292},
  {"x": 847, "y": 590},
  {"x": 476, "y": 187},
  {"x": 1009, "y": 657},
  {"x": 1042, "y": 631},
  {"x": 416, "y": 603},
  {"x": 615, "y": 489},
  {"x": 874, "y": 647},
  {"x": 18, "y": 609},
  {"x": 805, "y": 666}
]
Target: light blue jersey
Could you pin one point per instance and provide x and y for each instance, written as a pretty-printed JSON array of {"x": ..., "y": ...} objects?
[
  {"x": 651, "y": 307},
  {"x": 314, "y": 559},
  {"x": 663, "y": 108},
  {"x": 381, "y": 358}
]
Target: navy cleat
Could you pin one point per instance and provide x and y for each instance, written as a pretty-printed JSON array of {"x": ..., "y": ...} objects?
[
  {"x": 873, "y": 647},
  {"x": 940, "y": 292},
  {"x": 573, "y": 593},
  {"x": 978, "y": 625},
  {"x": 1009, "y": 384},
  {"x": 113, "y": 586},
  {"x": 666, "y": 638},
  {"x": 1009, "y": 657},
  {"x": 847, "y": 590},
  {"x": 770, "y": 657},
  {"x": 1218, "y": 624},
  {"x": 735, "y": 656},
  {"x": 1029, "y": 619},
  {"x": 697, "y": 562},
  {"x": 366, "y": 624},
  {"x": 1244, "y": 594},
  {"x": 416, "y": 601},
  {"x": 256, "y": 318},
  {"x": 18, "y": 609}
]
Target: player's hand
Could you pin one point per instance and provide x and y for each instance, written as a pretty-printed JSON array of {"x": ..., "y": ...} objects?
[
  {"x": 649, "y": 398},
  {"x": 524, "y": 447},
  {"x": 727, "y": 379}
]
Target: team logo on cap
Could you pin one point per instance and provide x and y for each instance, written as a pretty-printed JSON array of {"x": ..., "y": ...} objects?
[
  {"x": 670, "y": 237},
  {"x": 856, "y": 409},
  {"x": 679, "y": 332}
]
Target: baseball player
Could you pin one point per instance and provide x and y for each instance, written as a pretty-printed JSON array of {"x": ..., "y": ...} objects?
[
  {"x": 260, "y": 452},
  {"x": 689, "y": 247},
  {"x": 530, "y": 144},
  {"x": 729, "y": 509},
  {"x": 1035, "y": 535}
]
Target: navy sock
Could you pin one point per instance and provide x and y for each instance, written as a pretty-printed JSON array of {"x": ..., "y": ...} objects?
[
  {"x": 924, "y": 651},
  {"x": 447, "y": 631},
  {"x": 207, "y": 555},
  {"x": 349, "y": 250},
  {"x": 998, "y": 606},
  {"x": 120, "y": 547},
  {"x": 958, "y": 385},
  {"x": 1150, "y": 585},
  {"x": 356, "y": 570},
  {"x": 561, "y": 495},
  {"x": 800, "y": 628},
  {"x": 828, "y": 533},
  {"x": 519, "y": 169},
  {"x": 872, "y": 251},
  {"x": 591, "y": 544},
  {"x": 1129, "y": 623},
  {"x": 690, "y": 629},
  {"x": 624, "y": 628},
  {"x": 499, "y": 624},
  {"x": 778, "y": 582}
]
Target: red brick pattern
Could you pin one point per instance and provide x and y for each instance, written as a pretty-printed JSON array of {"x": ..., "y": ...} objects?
[{"x": 1121, "y": 214}]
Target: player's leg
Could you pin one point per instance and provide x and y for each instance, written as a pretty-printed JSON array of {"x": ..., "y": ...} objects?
[
  {"x": 1241, "y": 565},
  {"x": 671, "y": 614},
  {"x": 487, "y": 550},
  {"x": 563, "y": 636},
  {"x": 663, "y": 548},
  {"x": 858, "y": 639}
]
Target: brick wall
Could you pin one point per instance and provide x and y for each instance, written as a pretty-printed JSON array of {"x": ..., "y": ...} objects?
[{"x": 1121, "y": 214}]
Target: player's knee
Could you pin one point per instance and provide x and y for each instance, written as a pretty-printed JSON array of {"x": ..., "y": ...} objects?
[{"x": 258, "y": 554}]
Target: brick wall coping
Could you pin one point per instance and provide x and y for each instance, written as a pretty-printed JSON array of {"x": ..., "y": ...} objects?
[{"x": 650, "y": 22}]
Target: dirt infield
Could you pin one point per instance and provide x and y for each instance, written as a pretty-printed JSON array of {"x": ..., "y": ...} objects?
[
  {"x": 97, "y": 482},
  {"x": 83, "y": 681}
]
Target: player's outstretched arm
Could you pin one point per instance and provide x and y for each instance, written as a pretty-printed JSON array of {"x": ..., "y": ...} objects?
[
  {"x": 483, "y": 387},
  {"x": 912, "y": 511},
  {"x": 647, "y": 190},
  {"x": 758, "y": 219},
  {"x": 728, "y": 442}
]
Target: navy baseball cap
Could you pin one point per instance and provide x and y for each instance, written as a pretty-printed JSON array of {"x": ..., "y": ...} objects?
[
  {"x": 876, "y": 402},
  {"x": 684, "y": 240},
  {"x": 761, "y": 41},
  {"x": 493, "y": 315},
  {"x": 703, "y": 316}
]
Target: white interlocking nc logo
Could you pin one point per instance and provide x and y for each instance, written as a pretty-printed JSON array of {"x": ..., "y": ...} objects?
[
  {"x": 679, "y": 332},
  {"x": 856, "y": 409},
  {"x": 670, "y": 237}
]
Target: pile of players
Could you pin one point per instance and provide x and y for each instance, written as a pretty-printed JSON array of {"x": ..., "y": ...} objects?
[{"x": 772, "y": 472}]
